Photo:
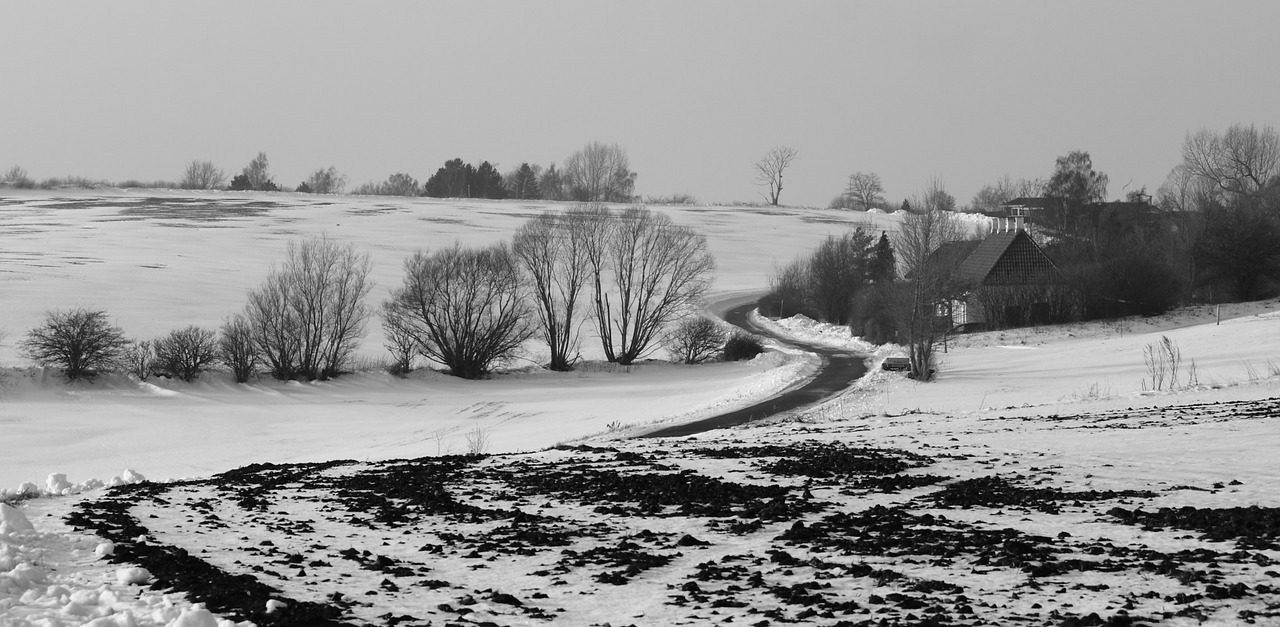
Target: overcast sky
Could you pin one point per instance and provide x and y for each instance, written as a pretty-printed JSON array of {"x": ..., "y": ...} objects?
[{"x": 695, "y": 91}]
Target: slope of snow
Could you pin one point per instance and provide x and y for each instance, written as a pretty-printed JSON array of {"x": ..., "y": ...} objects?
[{"x": 1065, "y": 405}]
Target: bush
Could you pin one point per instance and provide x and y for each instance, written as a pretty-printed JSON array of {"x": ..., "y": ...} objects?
[
  {"x": 742, "y": 346},
  {"x": 80, "y": 341},
  {"x": 788, "y": 291},
  {"x": 138, "y": 358},
  {"x": 310, "y": 313},
  {"x": 402, "y": 342},
  {"x": 186, "y": 353},
  {"x": 17, "y": 177},
  {"x": 236, "y": 349},
  {"x": 325, "y": 181},
  {"x": 695, "y": 340},
  {"x": 464, "y": 307},
  {"x": 202, "y": 175}
]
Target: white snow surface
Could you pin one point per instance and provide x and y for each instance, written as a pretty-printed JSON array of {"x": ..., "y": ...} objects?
[{"x": 154, "y": 269}]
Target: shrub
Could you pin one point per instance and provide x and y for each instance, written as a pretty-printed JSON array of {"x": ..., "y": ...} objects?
[
  {"x": 202, "y": 175},
  {"x": 236, "y": 349},
  {"x": 402, "y": 343},
  {"x": 309, "y": 315},
  {"x": 742, "y": 346},
  {"x": 80, "y": 341},
  {"x": 325, "y": 181},
  {"x": 138, "y": 359},
  {"x": 186, "y": 353},
  {"x": 17, "y": 177},
  {"x": 465, "y": 307},
  {"x": 695, "y": 340},
  {"x": 788, "y": 291}
]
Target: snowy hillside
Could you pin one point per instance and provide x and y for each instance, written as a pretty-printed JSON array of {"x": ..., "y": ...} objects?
[{"x": 1037, "y": 481}]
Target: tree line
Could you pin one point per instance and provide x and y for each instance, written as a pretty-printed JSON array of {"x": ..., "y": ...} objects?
[{"x": 632, "y": 277}]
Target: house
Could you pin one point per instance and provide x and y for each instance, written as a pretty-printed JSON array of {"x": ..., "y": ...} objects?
[{"x": 1007, "y": 281}]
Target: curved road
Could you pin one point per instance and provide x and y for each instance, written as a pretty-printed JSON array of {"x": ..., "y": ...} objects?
[{"x": 839, "y": 369}]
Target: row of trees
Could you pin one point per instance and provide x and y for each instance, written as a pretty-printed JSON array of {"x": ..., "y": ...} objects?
[
  {"x": 630, "y": 274},
  {"x": 633, "y": 276}
]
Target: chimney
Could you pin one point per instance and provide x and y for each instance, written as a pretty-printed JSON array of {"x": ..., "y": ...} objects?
[{"x": 1018, "y": 223}]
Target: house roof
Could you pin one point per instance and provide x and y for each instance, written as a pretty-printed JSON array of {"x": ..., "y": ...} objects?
[
  {"x": 1007, "y": 258},
  {"x": 1037, "y": 202}
]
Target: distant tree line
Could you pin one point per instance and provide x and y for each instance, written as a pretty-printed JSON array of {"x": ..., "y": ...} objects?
[{"x": 598, "y": 172}]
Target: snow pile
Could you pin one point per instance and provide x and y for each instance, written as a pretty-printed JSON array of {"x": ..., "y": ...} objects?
[
  {"x": 58, "y": 485},
  {"x": 806, "y": 330},
  {"x": 59, "y": 578}
]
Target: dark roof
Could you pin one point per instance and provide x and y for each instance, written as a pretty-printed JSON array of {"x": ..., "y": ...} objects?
[
  {"x": 1037, "y": 202},
  {"x": 1007, "y": 258}
]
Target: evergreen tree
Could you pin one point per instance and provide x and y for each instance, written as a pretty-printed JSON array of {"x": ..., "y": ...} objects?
[
  {"x": 450, "y": 181},
  {"x": 486, "y": 182},
  {"x": 523, "y": 183},
  {"x": 883, "y": 264}
]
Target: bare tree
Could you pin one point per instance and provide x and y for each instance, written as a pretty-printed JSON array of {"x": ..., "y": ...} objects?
[
  {"x": 658, "y": 272},
  {"x": 864, "y": 191},
  {"x": 695, "y": 340},
  {"x": 401, "y": 339},
  {"x": 465, "y": 307},
  {"x": 202, "y": 175},
  {"x": 138, "y": 359},
  {"x": 552, "y": 250},
  {"x": 185, "y": 353},
  {"x": 769, "y": 170},
  {"x": 258, "y": 174},
  {"x": 991, "y": 197},
  {"x": 236, "y": 348},
  {"x": 1244, "y": 160},
  {"x": 599, "y": 173},
  {"x": 929, "y": 273},
  {"x": 80, "y": 341},
  {"x": 326, "y": 181},
  {"x": 401, "y": 184},
  {"x": 1075, "y": 182},
  {"x": 17, "y": 177},
  {"x": 310, "y": 313},
  {"x": 788, "y": 290}
]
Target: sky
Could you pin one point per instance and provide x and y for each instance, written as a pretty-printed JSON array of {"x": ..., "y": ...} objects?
[{"x": 695, "y": 92}]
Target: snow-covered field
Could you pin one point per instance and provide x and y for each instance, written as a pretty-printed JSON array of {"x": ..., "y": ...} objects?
[{"x": 1007, "y": 488}]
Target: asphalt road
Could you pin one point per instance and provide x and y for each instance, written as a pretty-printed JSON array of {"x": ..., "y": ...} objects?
[{"x": 838, "y": 370}]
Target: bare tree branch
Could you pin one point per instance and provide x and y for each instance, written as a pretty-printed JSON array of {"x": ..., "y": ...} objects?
[{"x": 770, "y": 168}]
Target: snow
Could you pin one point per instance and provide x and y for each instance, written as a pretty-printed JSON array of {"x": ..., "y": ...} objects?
[{"x": 154, "y": 270}]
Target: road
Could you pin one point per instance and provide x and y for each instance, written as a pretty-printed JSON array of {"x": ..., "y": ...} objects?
[{"x": 838, "y": 370}]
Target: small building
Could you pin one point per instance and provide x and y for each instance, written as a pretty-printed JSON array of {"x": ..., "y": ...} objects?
[{"x": 1008, "y": 281}]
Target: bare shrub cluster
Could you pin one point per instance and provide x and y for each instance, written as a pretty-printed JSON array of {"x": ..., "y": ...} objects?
[
  {"x": 462, "y": 307},
  {"x": 309, "y": 314},
  {"x": 632, "y": 274},
  {"x": 202, "y": 175},
  {"x": 186, "y": 353},
  {"x": 695, "y": 340},
  {"x": 82, "y": 342}
]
